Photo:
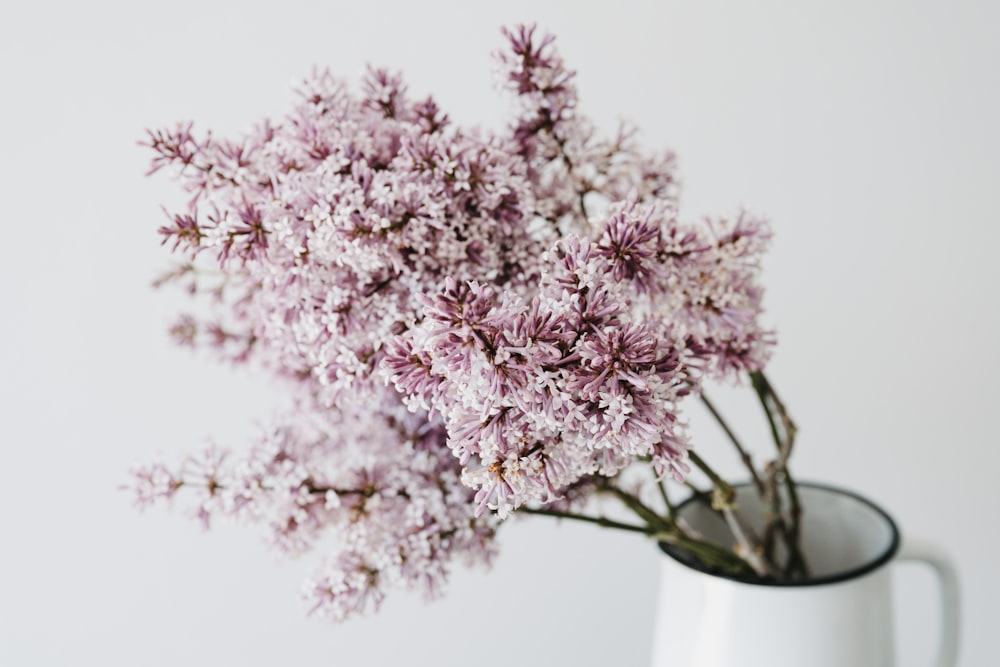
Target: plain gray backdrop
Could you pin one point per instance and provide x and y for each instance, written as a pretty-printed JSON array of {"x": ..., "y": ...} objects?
[{"x": 867, "y": 132}]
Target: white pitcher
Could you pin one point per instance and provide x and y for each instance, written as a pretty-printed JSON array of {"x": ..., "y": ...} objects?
[{"x": 841, "y": 616}]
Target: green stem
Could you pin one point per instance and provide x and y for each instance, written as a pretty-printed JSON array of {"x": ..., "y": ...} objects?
[
  {"x": 662, "y": 488},
  {"x": 599, "y": 520},
  {"x": 744, "y": 456},
  {"x": 707, "y": 553},
  {"x": 760, "y": 388},
  {"x": 773, "y": 407},
  {"x": 647, "y": 514},
  {"x": 724, "y": 493},
  {"x": 699, "y": 494},
  {"x": 765, "y": 390},
  {"x": 659, "y": 528},
  {"x": 772, "y": 404},
  {"x": 723, "y": 501}
]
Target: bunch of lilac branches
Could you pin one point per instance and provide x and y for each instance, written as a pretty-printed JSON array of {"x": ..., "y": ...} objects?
[{"x": 471, "y": 323}]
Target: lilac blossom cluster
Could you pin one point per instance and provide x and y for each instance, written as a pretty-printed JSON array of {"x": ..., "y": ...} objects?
[
  {"x": 584, "y": 377},
  {"x": 375, "y": 487},
  {"x": 470, "y": 320}
]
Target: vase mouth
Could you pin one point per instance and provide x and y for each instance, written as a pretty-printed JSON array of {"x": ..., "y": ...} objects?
[{"x": 875, "y": 560}]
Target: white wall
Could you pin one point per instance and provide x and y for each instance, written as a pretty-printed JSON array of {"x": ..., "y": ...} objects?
[{"x": 867, "y": 130}]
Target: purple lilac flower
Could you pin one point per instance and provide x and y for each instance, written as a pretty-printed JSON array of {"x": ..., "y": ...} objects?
[
  {"x": 374, "y": 476},
  {"x": 531, "y": 298}
]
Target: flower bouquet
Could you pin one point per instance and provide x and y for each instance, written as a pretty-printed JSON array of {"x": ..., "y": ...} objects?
[{"x": 471, "y": 324}]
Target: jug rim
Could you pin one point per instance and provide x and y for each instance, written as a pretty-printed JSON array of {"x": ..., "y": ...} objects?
[{"x": 837, "y": 577}]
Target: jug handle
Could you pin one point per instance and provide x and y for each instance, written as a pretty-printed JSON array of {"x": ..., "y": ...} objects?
[{"x": 922, "y": 550}]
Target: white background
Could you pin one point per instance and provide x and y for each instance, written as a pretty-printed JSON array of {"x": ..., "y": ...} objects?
[{"x": 867, "y": 131}]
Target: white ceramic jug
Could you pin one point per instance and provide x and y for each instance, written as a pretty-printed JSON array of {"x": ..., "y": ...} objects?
[{"x": 841, "y": 616}]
